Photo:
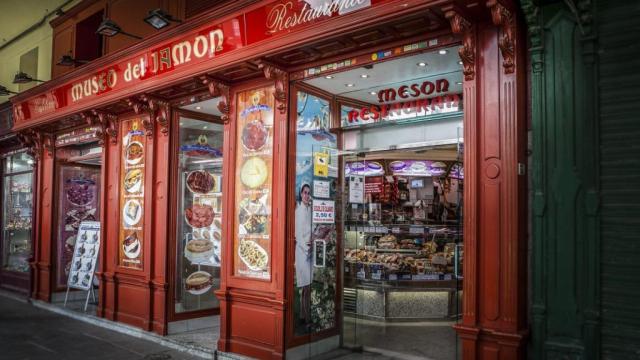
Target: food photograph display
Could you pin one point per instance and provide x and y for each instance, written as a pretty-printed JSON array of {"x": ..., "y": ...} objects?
[
  {"x": 253, "y": 182},
  {"x": 79, "y": 188},
  {"x": 85, "y": 255},
  {"x": 132, "y": 162},
  {"x": 199, "y": 214}
]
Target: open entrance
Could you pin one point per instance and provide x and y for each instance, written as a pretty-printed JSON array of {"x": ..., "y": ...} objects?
[
  {"x": 378, "y": 209},
  {"x": 78, "y": 178}
]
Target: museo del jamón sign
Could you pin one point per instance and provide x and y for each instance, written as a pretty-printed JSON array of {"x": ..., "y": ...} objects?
[{"x": 257, "y": 25}]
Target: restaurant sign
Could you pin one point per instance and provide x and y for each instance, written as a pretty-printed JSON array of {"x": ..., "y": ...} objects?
[
  {"x": 274, "y": 19},
  {"x": 407, "y": 102}
]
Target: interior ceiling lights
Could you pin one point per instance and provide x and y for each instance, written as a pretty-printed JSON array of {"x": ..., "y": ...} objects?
[
  {"x": 159, "y": 19},
  {"x": 109, "y": 28},
  {"x": 24, "y": 78}
]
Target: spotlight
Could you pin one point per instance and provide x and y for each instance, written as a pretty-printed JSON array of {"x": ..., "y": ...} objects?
[
  {"x": 159, "y": 19},
  {"x": 109, "y": 28},
  {"x": 23, "y": 78}
]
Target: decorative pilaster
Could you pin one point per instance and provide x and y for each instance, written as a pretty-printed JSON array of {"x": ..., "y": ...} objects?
[
  {"x": 36, "y": 143},
  {"x": 109, "y": 124},
  {"x": 505, "y": 18},
  {"x": 462, "y": 25},
  {"x": 140, "y": 106},
  {"x": 158, "y": 111},
  {"x": 220, "y": 89},
  {"x": 281, "y": 78}
]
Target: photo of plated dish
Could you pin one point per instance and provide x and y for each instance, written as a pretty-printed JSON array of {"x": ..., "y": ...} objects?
[
  {"x": 254, "y": 172},
  {"x": 79, "y": 191},
  {"x": 200, "y": 182},
  {"x": 131, "y": 245},
  {"x": 253, "y": 255},
  {"x": 133, "y": 181},
  {"x": 132, "y": 212},
  {"x": 198, "y": 283},
  {"x": 254, "y": 135},
  {"x": 199, "y": 216},
  {"x": 253, "y": 215},
  {"x": 134, "y": 153}
]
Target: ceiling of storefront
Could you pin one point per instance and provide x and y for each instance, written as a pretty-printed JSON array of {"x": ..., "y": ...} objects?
[{"x": 395, "y": 73}]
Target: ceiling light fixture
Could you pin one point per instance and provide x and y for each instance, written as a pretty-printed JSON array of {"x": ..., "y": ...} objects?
[
  {"x": 159, "y": 19},
  {"x": 5, "y": 92},
  {"x": 373, "y": 93},
  {"x": 329, "y": 77},
  {"x": 198, "y": 107},
  {"x": 459, "y": 82},
  {"x": 460, "y": 62},
  {"x": 109, "y": 28},
  {"x": 349, "y": 85},
  {"x": 67, "y": 60},
  {"x": 422, "y": 64},
  {"x": 24, "y": 78},
  {"x": 442, "y": 52},
  {"x": 364, "y": 76}
]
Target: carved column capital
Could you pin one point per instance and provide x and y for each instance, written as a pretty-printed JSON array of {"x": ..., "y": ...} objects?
[
  {"x": 140, "y": 106},
  {"x": 281, "y": 78},
  {"x": 109, "y": 125},
  {"x": 36, "y": 143},
  {"x": 158, "y": 111},
  {"x": 220, "y": 89},
  {"x": 505, "y": 18},
  {"x": 462, "y": 26}
]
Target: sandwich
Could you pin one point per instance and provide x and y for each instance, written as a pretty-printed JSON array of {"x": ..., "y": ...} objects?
[
  {"x": 199, "y": 246},
  {"x": 198, "y": 281}
]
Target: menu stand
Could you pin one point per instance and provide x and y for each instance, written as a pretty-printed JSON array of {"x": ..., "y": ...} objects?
[{"x": 85, "y": 260}]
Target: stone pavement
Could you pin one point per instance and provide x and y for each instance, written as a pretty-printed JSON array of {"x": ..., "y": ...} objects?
[{"x": 30, "y": 333}]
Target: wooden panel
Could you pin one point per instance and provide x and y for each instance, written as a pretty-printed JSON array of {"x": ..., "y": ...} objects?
[
  {"x": 63, "y": 41},
  {"x": 195, "y": 7}
]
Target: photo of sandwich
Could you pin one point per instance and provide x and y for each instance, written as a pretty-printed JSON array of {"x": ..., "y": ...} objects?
[
  {"x": 131, "y": 245},
  {"x": 198, "y": 283},
  {"x": 132, "y": 212},
  {"x": 133, "y": 181}
]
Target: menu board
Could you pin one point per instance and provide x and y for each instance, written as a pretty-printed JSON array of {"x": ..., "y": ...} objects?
[
  {"x": 85, "y": 255},
  {"x": 132, "y": 160},
  {"x": 254, "y": 165},
  {"x": 78, "y": 201}
]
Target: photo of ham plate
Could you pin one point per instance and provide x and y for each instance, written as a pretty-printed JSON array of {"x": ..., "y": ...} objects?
[{"x": 199, "y": 216}]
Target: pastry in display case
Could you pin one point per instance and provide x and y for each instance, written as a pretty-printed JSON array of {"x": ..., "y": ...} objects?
[
  {"x": 199, "y": 215},
  {"x": 17, "y": 212}
]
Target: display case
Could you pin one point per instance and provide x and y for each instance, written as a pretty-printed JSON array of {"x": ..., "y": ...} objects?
[
  {"x": 198, "y": 214},
  {"x": 17, "y": 212}
]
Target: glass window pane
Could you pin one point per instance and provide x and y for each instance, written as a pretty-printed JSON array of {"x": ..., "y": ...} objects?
[
  {"x": 17, "y": 221},
  {"x": 199, "y": 225},
  {"x": 18, "y": 163}
]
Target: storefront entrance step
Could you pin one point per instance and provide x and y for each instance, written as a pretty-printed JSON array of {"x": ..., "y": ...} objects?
[
  {"x": 230, "y": 356},
  {"x": 188, "y": 348}
]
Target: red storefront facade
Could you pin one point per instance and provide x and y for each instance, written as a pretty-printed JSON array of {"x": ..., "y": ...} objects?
[{"x": 135, "y": 95}]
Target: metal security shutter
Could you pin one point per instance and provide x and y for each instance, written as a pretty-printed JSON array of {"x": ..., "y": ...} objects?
[{"x": 618, "y": 28}]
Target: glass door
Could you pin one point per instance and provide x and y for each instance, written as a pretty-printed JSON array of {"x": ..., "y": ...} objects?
[{"x": 199, "y": 214}]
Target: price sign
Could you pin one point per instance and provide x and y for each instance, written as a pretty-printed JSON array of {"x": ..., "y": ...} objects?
[{"x": 323, "y": 212}]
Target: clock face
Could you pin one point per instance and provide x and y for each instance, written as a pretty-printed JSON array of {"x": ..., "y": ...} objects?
[{"x": 254, "y": 172}]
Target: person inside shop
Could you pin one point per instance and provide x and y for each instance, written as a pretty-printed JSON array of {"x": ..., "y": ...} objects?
[{"x": 303, "y": 251}]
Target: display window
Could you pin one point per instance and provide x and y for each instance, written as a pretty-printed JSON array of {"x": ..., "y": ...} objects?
[
  {"x": 378, "y": 212},
  {"x": 17, "y": 216},
  {"x": 199, "y": 208}
]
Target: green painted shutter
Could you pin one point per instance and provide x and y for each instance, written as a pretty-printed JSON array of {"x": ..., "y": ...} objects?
[{"x": 618, "y": 28}]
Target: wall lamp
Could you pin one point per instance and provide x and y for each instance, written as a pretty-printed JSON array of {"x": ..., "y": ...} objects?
[
  {"x": 24, "y": 78},
  {"x": 4, "y": 91},
  {"x": 159, "y": 19},
  {"x": 110, "y": 28},
  {"x": 67, "y": 60}
]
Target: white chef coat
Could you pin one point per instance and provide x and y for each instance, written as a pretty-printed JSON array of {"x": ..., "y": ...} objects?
[{"x": 303, "y": 249}]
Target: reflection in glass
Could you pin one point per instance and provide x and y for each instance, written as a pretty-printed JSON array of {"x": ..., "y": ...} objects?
[
  {"x": 17, "y": 212},
  {"x": 199, "y": 226}
]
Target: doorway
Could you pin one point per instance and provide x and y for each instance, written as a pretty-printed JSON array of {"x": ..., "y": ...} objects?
[{"x": 378, "y": 209}]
